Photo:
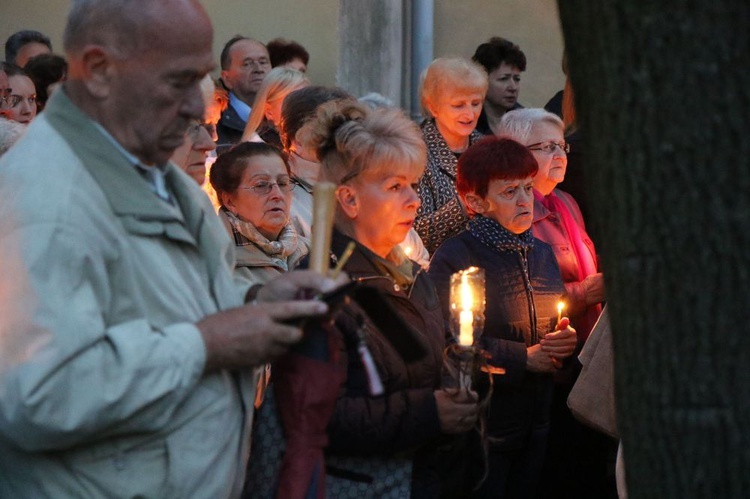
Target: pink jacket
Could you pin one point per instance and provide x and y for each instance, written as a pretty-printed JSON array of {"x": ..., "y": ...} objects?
[{"x": 548, "y": 227}]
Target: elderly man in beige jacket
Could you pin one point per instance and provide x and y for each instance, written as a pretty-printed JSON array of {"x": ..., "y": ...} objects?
[{"x": 126, "y": 354}]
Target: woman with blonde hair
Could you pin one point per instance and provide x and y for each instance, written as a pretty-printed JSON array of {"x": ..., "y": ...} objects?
[
  {"x": 376, "y": 157},
  {"x": 452, "y": 93},
  {"x": 262, "y": 125}
]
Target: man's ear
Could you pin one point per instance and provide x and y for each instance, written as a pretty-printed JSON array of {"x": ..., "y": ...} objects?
[
  {"x": 98, "y": 68},
  {"x": 348, "y": 200},
  {"x": 225, "y": 80},
  {"x": 476, "y": 203}
]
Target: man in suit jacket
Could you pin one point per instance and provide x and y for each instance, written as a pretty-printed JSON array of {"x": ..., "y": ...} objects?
[{"x": 244, "y": 64}]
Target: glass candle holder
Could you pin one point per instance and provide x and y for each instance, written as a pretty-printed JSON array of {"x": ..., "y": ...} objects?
[{"x": 467, "y": 303}]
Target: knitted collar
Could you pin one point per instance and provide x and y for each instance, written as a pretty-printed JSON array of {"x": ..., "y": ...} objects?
[
  {"x": 282, "y": 248},
  {"x": 494, "y": 235}
]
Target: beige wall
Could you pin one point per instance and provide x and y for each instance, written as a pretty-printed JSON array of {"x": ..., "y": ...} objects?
[
  {"x": 460, "y": 25},
  {"x": 311, "y": 23},
  {"x": 533, "y": 24}
]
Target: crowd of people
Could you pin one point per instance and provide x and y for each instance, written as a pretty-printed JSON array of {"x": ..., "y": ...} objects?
[{"x": 162, "y": 334}]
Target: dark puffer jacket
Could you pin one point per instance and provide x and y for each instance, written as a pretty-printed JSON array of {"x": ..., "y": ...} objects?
[
  {"x": 404, "y": 419},
  {"x": 518, "y": 313}
]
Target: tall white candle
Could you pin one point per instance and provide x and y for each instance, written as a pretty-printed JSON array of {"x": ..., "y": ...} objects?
[
  {"x": 466, "y": 318},
  {"x": 466, "y": 330}
]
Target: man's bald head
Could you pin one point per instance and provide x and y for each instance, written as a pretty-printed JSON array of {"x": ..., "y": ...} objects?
[
  {"x": 125, "y": 26},
  {"x": 136, "y": 67}
]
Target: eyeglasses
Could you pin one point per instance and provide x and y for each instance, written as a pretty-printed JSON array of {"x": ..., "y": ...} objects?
[
  {"x": 14, "y": 100},
  {"x": 549, "y": 147},
  {"x": 263, "y": 188},
  {"x": 5, "y": 95},
  {"x": 195, "y": 130}
]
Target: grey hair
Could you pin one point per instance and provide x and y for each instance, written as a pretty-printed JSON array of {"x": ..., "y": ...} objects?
[
  {"x": 111, "y": 23},
  {"x": 517, "y": 124},
  {"x": 374, "y": 100}
]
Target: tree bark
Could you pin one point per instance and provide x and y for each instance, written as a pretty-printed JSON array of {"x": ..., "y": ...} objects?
[{"x": 663, "y": 94}]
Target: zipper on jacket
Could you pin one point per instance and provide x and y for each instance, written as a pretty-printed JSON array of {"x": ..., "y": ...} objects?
[
  {"x": 393, "y": 282},
  {"x": 523, "y": 254}
]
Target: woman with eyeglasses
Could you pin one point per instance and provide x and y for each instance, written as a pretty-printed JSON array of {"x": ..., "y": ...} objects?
[
  {"x": 576, "y": 455},
  {"x": 199, "y": 143},
  {"x": 557, "y": 219},
  {"x": 253, "y": 186},
  {"x": 20, "y": 105}
]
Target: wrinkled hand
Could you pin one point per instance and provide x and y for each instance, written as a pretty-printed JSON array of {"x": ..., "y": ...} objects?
[
  {"x": 561, "y": 343},
  {"x": 538, "y": 361},
  {"x": 255, "y": 334},
  {"x": 593, "y": 288},
  {"x": 252, "y": 335},
  {"x": 457, "y": 409}
]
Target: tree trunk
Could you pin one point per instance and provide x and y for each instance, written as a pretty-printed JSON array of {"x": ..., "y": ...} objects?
[{"x": 663, "y": 93}]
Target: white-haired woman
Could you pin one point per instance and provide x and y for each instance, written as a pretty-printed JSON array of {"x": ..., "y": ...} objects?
[
  {"x": 452, "y": 93},
  {"x": 576, "y": 455},
  {"x": 262, "y": 125},
  {"x": 557, "y": 219}
]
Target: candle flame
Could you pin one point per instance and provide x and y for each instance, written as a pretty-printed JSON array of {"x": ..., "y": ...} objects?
[{"x": 560, "y": 307}]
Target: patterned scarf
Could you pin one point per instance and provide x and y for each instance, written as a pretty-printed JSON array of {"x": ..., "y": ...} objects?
[
  {"x": 494, "y": 235},
  {"x": 440, "y": 215},
  {"x": 282, "y": 248}
]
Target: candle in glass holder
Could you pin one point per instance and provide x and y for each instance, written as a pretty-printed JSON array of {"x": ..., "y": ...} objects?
[{"x": 467, "y": 304}]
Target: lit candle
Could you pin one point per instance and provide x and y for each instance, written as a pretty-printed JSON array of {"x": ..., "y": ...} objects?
[
  {"x": 466, "y": 331},
  {"x": 466, "y": 317},
  {"x": 560, "y": 307}
]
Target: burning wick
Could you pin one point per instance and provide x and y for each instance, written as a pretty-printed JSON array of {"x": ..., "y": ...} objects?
[{"x": 560, "y": 307}]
